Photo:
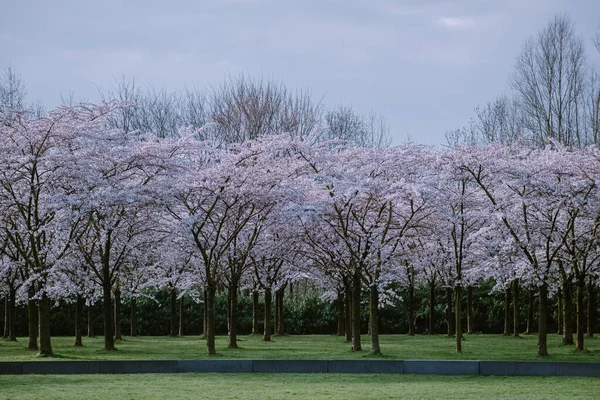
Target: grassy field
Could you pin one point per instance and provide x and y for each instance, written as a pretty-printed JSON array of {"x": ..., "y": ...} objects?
[
  {"x": 325, "y": 347},
  {"x": 298, "y": 386}
]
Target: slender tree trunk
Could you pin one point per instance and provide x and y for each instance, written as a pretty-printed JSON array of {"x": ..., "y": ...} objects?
[
  {"x": 279, "y": 295},
  {"x": 356, "y": 286},
  {"x": 580, "y": 313},
  {"x": 32, "y": 314},
  {"x": 449, "y": 312},
  {"x": 255, "y": 315},
  {"x": 411, "y": 308},
  {"x": 470, "y": 328},
  {"x": 118, "y": 314},
  {"x": 210, "y": 320},
  {"x": 181, "y": 316},
  {"x": 44, "y": 324},
  {"x": 233, "y": 298},
  {"x": 339, "y": 304},
  {"x": 90, "y": 321},
  {"x": 568, "y": 313},
  {"x": 347, "y": 311},
  {"x": 109, "y": 342},
  {"x": 6, "y": 301},
  {"x": 432, "y": 307},
  {"x": 516, "y": 308},
  {"x": 591, "y": 307},
  {"x": 529, "y": 329},
  {"x": 205, "y": 314},
  {"x": 458, "y": 317},
  {"x": 276, "y": 312},
  {"x": 507, "y": 312},
  {"x": 133, "y": 317},
  {"x": 78, "y": 317},
  {"x": 228, "y": 311},
  {"x": 12, "y": 315},
  {"x": 543, "y": 321},
  {"x": 374, "y": 320},
  {"x": 173, "y": 312},
  {"x": 267, "y": 316},
  {"x": 559, "y": 313}
]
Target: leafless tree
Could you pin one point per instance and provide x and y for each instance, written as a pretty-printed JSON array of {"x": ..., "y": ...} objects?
[
  {"x": 549, "y": 79},
  {"x": 364, "y": 131},
  {"x": 12, "y": 90},
  {"x": 245, "y": 108}
]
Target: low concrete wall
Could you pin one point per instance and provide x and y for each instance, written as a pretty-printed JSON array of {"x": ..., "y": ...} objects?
[
  {"x": 517, "y": 368},
  {"x": 441, "y": 367},
  {"x": 365, "y": 367},
  {"x": 435, "y": 367},
  {"x": 295, "y": 366}
]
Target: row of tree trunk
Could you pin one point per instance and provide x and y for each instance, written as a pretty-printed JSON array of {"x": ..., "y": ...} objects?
[{"x": 348, "y": 309}]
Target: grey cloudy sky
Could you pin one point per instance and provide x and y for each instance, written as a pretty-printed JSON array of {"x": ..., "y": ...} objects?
[{"x": 423, "y": 64}]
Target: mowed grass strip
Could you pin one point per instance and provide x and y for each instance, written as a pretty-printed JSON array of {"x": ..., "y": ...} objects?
[
  {"x": 306, "y": 347},
  {"x": 299, "y": 386}
]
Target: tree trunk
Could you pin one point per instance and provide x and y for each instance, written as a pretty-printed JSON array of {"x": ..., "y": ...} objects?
[
  {"x": 279, "y": 295},
  {"x": 470, "y": 328},
  {"x": 339, "y": 304},
  {"x": 233, "y": 299},
  {"x": 255, "y": 315},
  {"x": 347, "y": 310},
  {"x": 567, "y": 313},
  {"x": 432, "y": 307},
  {"x": 78, "y": 317},
  {"x": 276, "y": 312},
  {"x": 6, "y": 301},
  {"x": 133, "y": 317},
  {"x": 205, "y": 314},
  {"x": 5, "y": 335},
  {"x": 90, "y": 321},
  {"x": 591, "y": 307},
  {"x": 458, "y": 317},
  {"x": 580, "y": 313},
  {"x": 210, "y": 320},
  {"x": 44, "y": 325},
  {"x": 228, "y": 311},
  {"x": 32, "y": 314},
  {"x": 118, "y": 314},
  {"x": 356, "y": 286},
  {"x": 543, "y": 321},
  {"x": 559, "y": 313},
  {"x": 267, "y": 316},
  {"x": 173, "y": 312},
  {"x": 12, "y": 315},
  {"x": 411, "y": 308},
  {"x": 109, "y": 342},
  {"x": 507, "y": 312},
  {"x": 516, "y": 308},
  {"x": 529, "y": 329},
  {"x": 449, "y": 312},
  {"x": 373, "y": 319},
  {"x": 181, "y": 316}
]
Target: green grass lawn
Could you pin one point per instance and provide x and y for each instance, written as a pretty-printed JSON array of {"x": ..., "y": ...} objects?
[
  {"x": 298, "y": 386},
  {"x": 324, "y": 347}
]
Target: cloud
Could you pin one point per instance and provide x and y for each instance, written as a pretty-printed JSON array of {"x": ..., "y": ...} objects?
[{"x": 470, "y": 23}]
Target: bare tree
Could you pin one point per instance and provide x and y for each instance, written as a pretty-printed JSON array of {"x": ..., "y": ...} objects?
[
  {"x": 364, "y": 131},
  {"x": 12, "y": 90},
  {"x": 245, "y": 108},
  {"x": 549, "y": 81}
]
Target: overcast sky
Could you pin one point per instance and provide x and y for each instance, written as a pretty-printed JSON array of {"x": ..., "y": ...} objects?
[{"x": 423, "y": 64}]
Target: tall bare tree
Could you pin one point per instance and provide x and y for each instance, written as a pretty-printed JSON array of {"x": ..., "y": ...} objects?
[{"x": 549, "y": 79}]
